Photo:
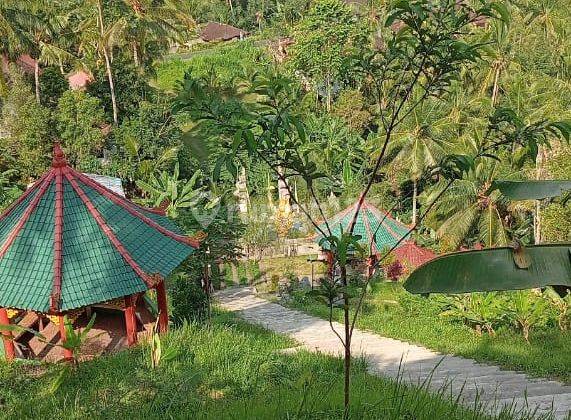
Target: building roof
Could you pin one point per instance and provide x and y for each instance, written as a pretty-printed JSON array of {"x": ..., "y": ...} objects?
[
  {"x": 69, "y": 242},
  {"x": 379, "y": 231},
  {"x": 109, "y": 182},
  {"x": 214, "y": 31},
  {"x": 413, "y": 254},
  {"x": 79, "y": 80}
]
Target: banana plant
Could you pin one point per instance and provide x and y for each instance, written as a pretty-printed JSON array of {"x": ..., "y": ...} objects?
[
  {"x": 157, "y": 353},
  {"x": 482, "y": 311},
  {"x": 495, "y": 269},
  {"x": 168, "y": 188},
  {"x": 527, "y": 310}
]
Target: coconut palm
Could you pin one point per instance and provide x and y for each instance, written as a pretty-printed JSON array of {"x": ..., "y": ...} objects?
[
  {"x": 96, "y": 38},
  {"x": 147, "y": 25},
  {"x": 468, "y": 208},
  {"x": 499, "y": 55},
  {"x": 420, "y": 145}
]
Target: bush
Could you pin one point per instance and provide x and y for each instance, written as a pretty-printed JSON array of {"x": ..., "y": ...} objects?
[
  {"x": 53, "y": 84},
  {"x": 79, "y": 120},
  {"x": 188, "y": 300}
]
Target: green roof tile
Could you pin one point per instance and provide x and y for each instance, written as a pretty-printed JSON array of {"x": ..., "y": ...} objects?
[
  {"x": 96, "y": 265},
  {"x": 368, "y": 225}
]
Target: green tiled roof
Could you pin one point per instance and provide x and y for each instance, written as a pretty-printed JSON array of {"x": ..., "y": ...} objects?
[
  {"x": 110, "y": 247},
  {"x": 377, "y": 228}
]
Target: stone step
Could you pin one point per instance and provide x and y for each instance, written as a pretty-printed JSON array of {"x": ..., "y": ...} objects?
[{"x": 473, "y": 383}]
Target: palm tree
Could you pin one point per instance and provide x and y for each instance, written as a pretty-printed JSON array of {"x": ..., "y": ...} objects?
[
  {"x": 42, "y": 24},
  {"x": 420, "y": 146},
  {"x": 467, "y": 208},
  {"x": 499, "y": 54},
  {"x": 96, "y": 37},
  {"x": 148, "y": 24}
]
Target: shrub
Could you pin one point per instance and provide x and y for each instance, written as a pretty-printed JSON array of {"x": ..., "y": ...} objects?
[
  {"x": 395, "y": 270},
  {"x": 53, "y": 84},
  {"x": 527, "y": 311},
  {"x": 79, "y": 120},
  {"x": 188, "y": 300}
]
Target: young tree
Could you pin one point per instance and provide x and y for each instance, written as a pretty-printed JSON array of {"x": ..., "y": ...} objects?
[
  {"x": 419, "y": 61},
  {"x": 326, "y": 40},
  {"x": 79, "y": 120}
]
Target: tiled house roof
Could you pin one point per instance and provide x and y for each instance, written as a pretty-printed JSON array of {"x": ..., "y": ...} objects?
[
  {"x": 214, "y": 31},
  {"x": 69, "y": 242},
  {"x": 379, "y": 231}
]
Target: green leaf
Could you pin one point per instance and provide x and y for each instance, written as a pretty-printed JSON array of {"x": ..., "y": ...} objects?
[
  {"x": 531, "y": 190},
  {"x": 218, "y": 167},
  {"x": 493, "y": 269},
  {"x": 502, "y": 11},
  {"x": 231, "y": 167}
]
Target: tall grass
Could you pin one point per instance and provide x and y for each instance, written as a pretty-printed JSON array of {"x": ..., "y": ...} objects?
[
  {"x": 229, "y": 370},
  {"x": 229, "y": 62}
]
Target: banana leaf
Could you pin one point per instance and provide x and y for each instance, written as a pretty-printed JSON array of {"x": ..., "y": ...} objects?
[
  {"x": 494, "y": 269},
  {"x": 532, "y": 190}
]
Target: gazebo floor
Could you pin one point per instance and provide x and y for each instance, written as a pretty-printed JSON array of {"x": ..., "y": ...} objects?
[{"x": 107, "y": 335}]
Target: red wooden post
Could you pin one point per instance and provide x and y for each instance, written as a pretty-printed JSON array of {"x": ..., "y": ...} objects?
[
  {"x": 371, "y": 265},
  {"x": 67, "y": 353},
  {"x": 330, "y": 264},
  {"x": 163, "y": 307},
  {"x": 9, "y": 351},
  {"x": 131, "y": 320}
]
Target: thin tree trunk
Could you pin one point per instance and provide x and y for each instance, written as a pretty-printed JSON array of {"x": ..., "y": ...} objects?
[
  {"x": 537, "y": 212},
  {"x": 135, "y": 55},
  {"x": 107, "y": 63},
  {"x": 328, "y": 94},
  {"x": 37, "y": 79},
  {"x": 347, "y": 360},
  {"x": 496, "y": 86},
  {"x": 414, "y": 200}
]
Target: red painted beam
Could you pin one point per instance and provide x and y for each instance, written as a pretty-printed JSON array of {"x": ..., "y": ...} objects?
[
  {"x": 130, "y": 320},
  {"x": 55, "y": 296},
  {"x": 9, "y": 350},
  {"x": 128, "y": 206},
  {"x": 163, "y": 307}
]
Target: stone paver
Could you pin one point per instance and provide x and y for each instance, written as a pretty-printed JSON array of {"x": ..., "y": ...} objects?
[{"x": 476, "y": 384}]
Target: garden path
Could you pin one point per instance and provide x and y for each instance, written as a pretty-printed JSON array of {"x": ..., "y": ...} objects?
[{"x": 475, "y": 384}]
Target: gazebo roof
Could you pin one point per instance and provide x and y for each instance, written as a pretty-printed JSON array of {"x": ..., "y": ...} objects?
[
  {"x": 377, "y": 228},
  {"x": 412, "y": 253},
  {"x": 69, "y": 242}
]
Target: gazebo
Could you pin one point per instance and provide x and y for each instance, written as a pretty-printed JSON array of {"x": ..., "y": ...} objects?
[
  {"x": 69, "y": 243},
  {"x": 379, "y": 232}
]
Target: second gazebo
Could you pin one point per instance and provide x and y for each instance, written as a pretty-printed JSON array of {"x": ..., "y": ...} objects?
[
  {"x": 379, "y": 232},
  {"x": 69, "y": 243}
]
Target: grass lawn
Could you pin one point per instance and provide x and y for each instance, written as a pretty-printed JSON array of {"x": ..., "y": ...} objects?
[
  {"x": 547, "y": 354},
  {"x": 228, "y": 371}
]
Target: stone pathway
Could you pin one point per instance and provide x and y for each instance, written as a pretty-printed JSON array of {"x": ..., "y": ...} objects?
[{"x": 476, "y": 384}]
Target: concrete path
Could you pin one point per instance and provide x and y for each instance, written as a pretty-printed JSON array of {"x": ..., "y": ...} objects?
[{"x": 476, "y": 384}]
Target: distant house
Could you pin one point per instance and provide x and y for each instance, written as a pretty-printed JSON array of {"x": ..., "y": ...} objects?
[
  {"x": 79, "y": 80},
  {"x": 25, "y": 62},
  {"x": 214, "y": 31}
]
